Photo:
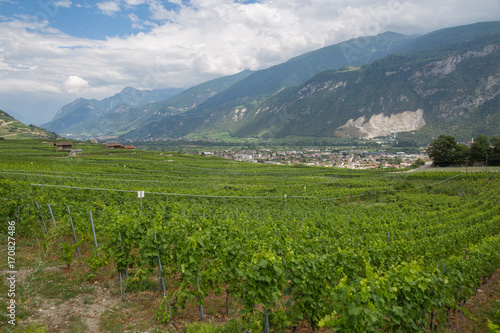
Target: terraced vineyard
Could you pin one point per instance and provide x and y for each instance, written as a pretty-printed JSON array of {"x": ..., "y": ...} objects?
[{"x": 349, "y": 251}]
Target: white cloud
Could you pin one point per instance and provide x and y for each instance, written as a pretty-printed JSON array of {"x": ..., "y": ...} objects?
[
  {"x": 75, "y": 84},
  {"x": 135, "y": 2},
  {"x": 138, "y": 24},
  {"x": 63, "y": 3},
  {"x": 158, "y": 11},
  {"x": 109, "y": 7}
]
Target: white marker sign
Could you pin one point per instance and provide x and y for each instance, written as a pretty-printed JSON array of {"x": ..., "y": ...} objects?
[{"x": 140, "y": 194}]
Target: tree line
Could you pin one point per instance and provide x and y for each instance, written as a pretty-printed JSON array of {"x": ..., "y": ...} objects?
[{"x": 445, "y": 151}]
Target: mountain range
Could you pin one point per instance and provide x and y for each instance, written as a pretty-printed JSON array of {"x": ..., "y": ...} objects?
[
  {"x": 86, "y": 118},
  {"x": 447, "y": 81}
]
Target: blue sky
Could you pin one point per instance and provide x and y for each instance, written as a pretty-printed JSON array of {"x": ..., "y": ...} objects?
[
  {"x": 89, "y": 19},
  {"x": 54, "y": 51}
]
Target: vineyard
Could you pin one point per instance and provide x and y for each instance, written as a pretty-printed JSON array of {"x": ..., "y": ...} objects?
[{"x": 285, "y": 247}]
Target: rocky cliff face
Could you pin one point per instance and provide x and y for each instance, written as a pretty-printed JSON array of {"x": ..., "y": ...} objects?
[
  {"x": 449, "y": 65},
  {"x": 381, "y": 125}
]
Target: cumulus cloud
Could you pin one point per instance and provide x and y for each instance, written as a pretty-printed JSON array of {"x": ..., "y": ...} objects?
[
  {"x": 75, "y": 84},
  {"x": 109, "y": 7}
]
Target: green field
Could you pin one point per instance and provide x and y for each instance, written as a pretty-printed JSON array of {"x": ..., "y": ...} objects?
[{"x": 306, "y": 247}]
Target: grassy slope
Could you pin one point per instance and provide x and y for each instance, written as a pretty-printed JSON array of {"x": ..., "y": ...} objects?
[{"x": 11, "y": 128}]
